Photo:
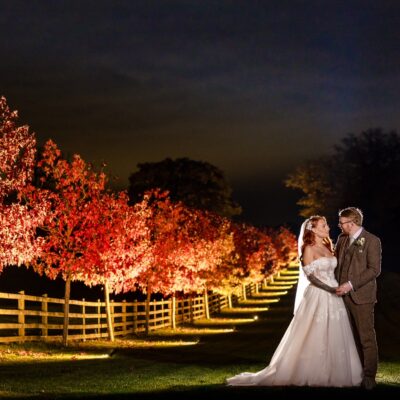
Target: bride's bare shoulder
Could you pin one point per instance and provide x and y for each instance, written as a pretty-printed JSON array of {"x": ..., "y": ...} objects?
[
  {"x": 308, "y": 249},
  {"x": 308, "y": 254}
]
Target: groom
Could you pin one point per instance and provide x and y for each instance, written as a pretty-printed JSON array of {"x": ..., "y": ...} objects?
[{"x": 359, "y": 263}]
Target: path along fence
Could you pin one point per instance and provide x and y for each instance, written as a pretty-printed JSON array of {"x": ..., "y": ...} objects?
[{"x": 34, "y": 318}]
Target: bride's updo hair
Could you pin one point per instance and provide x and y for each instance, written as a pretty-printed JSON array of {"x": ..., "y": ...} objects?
[{"x": 309, "y": 235}]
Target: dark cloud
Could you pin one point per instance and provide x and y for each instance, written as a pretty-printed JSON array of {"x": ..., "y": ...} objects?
[{"x": 252, "y": 87}]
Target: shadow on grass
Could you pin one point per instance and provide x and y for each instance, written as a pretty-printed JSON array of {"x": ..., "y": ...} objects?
[{"x": 225, "y": 392}]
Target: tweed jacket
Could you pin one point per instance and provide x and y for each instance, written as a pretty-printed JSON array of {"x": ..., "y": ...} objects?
[{"x": 360, "y": 264}]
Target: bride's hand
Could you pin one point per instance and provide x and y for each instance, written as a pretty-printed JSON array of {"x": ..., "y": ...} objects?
[{"x": 343, "y": 289}]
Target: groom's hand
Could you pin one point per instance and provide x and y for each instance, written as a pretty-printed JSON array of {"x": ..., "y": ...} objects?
[{"x": 343, "y": 289}]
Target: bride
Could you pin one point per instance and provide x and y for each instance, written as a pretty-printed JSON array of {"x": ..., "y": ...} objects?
[{"x": 318, "y": 347}]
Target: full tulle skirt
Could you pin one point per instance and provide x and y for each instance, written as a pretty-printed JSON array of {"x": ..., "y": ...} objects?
[{"x": 317, "y": 349}]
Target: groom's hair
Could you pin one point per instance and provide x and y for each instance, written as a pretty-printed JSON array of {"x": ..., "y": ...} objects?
[{"x": 353, "y": 213}]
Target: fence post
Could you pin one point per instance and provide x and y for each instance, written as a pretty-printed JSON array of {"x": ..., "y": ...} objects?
[
  {"x": 230, "y": 300},
  {"x": 154, "y": 315},
  {"x": 206, "y": 305},
  {"x": 99, "y": 318},
  {"x": 123, "y": 311},
  {"x": 135, "y": 315},
  {"x": 21, "y": 315},
  {"x": 112, "y": 312},
  {"x": 44, "y": 315},
  {"x": 84, "y": 319},
  {"x": 190, "y": 309},
  {"x": 162, "y": 313},
  {"x": 173, "y": 311}
]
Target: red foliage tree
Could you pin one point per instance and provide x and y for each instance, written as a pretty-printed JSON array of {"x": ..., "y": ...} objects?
[
  {"x": 286, "y": 245},
  {"x": 251, "y": 260},
  {"x": 118, "y": 249},
  {"x": 186, "y": 244},
  {"x": 19, "y": 243},
  {"x": 70, "y": 188}
]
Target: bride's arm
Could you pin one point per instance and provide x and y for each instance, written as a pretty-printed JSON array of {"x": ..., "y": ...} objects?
[
  {"x": 309, "y": 271},
  {"x": 318, "y": 283}
]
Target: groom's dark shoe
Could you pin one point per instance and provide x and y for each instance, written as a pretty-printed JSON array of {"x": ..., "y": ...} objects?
[{"x": 368, "y": 383}]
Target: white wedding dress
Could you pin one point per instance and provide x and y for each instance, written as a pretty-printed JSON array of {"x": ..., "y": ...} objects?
[{"x": 318, "y": 348}]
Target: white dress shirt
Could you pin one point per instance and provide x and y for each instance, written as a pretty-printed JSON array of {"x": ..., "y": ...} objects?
[
  {"x": 352, "y": 239},
  {"x": 355, "y": 236}
]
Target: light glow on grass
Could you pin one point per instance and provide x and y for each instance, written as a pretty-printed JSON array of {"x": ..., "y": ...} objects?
[
  {"x": 78, "y": 351},
  {"x": 273, "y": 286},
  {"x": 244, "y": 310},
  {"x": 290, "y": 273},
  {"x": 164, "y": 343},
  {"x": 269, "y": 294},
  {"x": 278, "y": 283},
  {"x": 133, "y": 343},
  {"x": 223, "y": 321},
  {"x": 388, "y": 373},
  {"x": 12, "y": 355},
  {"x": 183, "y": 331},
  {"x": 258, "y": 301},
  {"x": 286, "y": 278}
]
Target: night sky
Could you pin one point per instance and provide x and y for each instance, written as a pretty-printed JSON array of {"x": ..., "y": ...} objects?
[{"x": 253, "y": 87}]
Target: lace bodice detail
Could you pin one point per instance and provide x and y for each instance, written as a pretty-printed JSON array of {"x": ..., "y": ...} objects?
[{"x": 323, "y": 268}]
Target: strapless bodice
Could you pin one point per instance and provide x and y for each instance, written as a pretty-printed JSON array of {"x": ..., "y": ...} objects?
[{"x": 323, "y": 268}]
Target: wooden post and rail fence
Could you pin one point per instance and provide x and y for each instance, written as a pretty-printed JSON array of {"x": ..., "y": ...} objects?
[
  {"x": 33, "y": 318},
  {"x": 38, "y": 318}
]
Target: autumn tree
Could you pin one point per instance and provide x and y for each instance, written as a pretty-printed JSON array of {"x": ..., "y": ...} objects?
[
  {"x": 254, "y": 249},
  {"x": 316, "y": 180},
  {"x": 197, "y": 184},
  {"x": 70, "y": 188},
  {"x": 118, "y": 247},
  {"x": 186, "y": 244},
  {"x": 253, "y": 256},
  {"x": 285, "y": 244},
  {"x": 19, "y": 243},
  {"x": 210, "y": 246}
]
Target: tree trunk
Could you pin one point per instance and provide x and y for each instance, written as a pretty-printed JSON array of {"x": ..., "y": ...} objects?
[
  {"x": 173, "y": 312},
  {"x": 148, "y": 310},
  {"x": 230, "y": 300},
  {"x": 191, "y": 313},
  {"x": 244, "y": 291},
  {"x": 257, "y": 288},
  {"x": 110, "y": 327},
  {"x": 67, "y": 295},
  {"x": 206, "y": 307}
]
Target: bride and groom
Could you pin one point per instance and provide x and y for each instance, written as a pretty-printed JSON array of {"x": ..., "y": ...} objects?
[{"x": 331, "y": 339}]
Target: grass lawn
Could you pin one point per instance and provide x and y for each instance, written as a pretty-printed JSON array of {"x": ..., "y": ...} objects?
[{"x": 192, "y": 362}]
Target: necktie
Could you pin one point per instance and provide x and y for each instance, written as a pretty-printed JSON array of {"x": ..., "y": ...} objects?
[{"x": 351, "y": 240}]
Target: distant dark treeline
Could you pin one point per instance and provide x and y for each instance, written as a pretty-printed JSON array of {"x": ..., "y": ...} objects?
[{"x": 363, "y": 171}]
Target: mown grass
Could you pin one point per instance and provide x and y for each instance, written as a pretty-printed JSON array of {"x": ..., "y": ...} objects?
[{"x": 191, "y": 362}]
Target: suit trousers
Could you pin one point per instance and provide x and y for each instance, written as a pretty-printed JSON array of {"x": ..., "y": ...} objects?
[{"x": 362, "y": 319}]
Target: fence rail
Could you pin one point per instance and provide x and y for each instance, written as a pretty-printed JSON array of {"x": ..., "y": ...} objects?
[
  {"x": 31, "y": 318},
  {"x": 34, "y": 318}
]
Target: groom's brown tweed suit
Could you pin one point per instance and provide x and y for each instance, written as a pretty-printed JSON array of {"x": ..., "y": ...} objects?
[{"x": 360, "y": 264}]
